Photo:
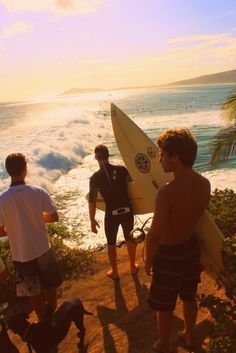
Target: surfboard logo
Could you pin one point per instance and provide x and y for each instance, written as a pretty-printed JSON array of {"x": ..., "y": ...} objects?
[
  {"x": 151, "y": 152},
  {"x": 142, "y": 163}
]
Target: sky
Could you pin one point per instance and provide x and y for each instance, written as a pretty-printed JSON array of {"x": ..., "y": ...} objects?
[{"x": 50, "y": 46}]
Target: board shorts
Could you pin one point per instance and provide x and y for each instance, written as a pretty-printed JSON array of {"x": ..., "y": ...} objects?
[
  {"x": 35, "y": 275},
  {"x": 112, "y": 223},
  {"x": 176, "y": 271}
]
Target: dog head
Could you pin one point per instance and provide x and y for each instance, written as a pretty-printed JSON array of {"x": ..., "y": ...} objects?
[{"x": 18, "y": 322}]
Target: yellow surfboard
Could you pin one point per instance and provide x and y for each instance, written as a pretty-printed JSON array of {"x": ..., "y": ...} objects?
[{"x": 140, "y": 156}]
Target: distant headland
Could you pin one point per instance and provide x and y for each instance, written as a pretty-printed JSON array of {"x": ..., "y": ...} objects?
[{"x": 217, "y": 78}]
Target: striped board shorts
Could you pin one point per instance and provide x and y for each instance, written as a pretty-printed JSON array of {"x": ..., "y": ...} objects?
[{"x": 176, "y": 271}]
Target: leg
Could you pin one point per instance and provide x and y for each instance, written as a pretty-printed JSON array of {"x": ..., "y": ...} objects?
[
  {"x": 38, "y": 304},
  {"x": 190, "y": 310},
  {"x": 165, "y": 319},
  {"x": 50, "y": 295},
  {"x": 113, "y": 262},
  {"x": 127, "y": 224},
  {"x": 111, "y": 230},
  {"x": 131, "y": 249},
  {"x": 188, "y": 295},
  {"x": 50, "y": 279},
  {"x": 28, "y": 285}
]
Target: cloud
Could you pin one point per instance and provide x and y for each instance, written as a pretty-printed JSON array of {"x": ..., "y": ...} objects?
[
  {"x": 62, "y": 7},
  {"x": 16, "y": 28}
]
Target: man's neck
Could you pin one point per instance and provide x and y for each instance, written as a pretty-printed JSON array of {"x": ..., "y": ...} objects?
[
  {"x": 17, "y": 181},
  {"x": 103, "y": 162},
  {"x": 182, "y": 171}
]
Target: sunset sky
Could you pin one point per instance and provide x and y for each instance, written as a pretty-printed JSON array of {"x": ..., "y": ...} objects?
[{"x": 49, "y": 46}]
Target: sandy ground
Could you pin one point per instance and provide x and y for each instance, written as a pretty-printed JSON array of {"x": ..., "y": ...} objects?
[{"x": 122, "y": 321}]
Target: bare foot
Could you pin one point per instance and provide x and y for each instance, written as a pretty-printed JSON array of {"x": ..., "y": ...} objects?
[
  {"x": 111, "y": 275},
  {"x": 186, "y": 341},
  {"x": 157, "y": 347}
]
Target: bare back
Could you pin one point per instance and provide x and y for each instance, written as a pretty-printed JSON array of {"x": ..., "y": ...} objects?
[{"x": 185, "y": 199}]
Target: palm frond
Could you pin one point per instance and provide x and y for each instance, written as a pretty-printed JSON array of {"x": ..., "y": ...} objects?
[
  {"x": 224, "y": 144},
  {"x": 229, "y": 108}
]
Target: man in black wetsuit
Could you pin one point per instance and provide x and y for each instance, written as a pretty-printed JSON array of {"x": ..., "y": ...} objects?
[{"x": 111, "y": 182}]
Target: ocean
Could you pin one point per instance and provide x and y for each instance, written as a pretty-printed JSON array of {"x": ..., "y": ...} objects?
[{"x": 58, "y": 136}]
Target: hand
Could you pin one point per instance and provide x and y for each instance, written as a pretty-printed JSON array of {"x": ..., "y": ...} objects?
[{"x": 94, "y": 225}]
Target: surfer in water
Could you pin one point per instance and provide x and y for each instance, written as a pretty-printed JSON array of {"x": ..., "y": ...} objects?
[
  {"x": 111, "y": 182},
  {"x": 172, "y": 249}
]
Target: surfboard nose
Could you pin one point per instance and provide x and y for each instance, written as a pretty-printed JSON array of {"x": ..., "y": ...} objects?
[{"x": 113, "y": 110}]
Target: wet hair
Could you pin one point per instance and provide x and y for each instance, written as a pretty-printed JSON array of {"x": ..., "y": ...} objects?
[
  {"x": 101, "y": 152},
  {"x": 180, "y": 142},
  {"x": 15, "y": 164}
]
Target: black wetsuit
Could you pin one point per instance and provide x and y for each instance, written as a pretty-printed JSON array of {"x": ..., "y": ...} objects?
[{"x": 111, "y": 182}]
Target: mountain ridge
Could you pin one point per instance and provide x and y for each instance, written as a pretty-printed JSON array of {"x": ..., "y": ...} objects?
[{"x": 216, "y": 78}]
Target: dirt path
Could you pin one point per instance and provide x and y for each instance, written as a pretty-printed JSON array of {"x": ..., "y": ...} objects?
[{"x": 122, "y": 321}]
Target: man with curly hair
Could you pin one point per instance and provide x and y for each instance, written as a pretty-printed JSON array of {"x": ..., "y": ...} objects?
[{"x": 172, "y": 252}]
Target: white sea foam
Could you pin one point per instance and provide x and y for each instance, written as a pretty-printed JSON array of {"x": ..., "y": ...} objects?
[
  {"x": 222, "y": 178},
  {"x": 54, "y": 150},
  {"x": 58, "y": 136}
]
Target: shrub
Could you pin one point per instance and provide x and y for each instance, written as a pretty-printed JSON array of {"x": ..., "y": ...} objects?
[
  {"x": 222, "y": 336},
  {"x": 72, "y": 261},
  {"x": 222, "y": 207}
]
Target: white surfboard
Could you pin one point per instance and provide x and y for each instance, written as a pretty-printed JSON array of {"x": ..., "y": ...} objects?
[
  {"x": 137, "y": 200},
  {"x": 140, "y": 156}
]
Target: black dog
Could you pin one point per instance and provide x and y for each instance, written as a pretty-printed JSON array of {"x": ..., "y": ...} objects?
[
  {"x": 44, "y": 336},
  {"x": 6, "y": 345}
]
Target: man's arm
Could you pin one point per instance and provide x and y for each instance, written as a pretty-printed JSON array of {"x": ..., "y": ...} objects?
[
  {"x": 92, "y": 213},
  {"x": 157, "y": 228},
  {"x": 93, "y": 190},
  {"x": 50, "y": 217},
  {"x": 3, "y": 232}
]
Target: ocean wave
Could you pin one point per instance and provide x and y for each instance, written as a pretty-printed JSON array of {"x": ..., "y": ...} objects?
[{"x": 55, "y": 150}]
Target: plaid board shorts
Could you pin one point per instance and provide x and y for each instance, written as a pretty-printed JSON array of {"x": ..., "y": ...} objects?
[
  {"x": 35, "y": 275},
  {"x": 176, "y": 271}
]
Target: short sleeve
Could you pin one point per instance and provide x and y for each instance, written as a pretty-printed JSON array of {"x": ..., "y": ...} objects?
[
  {"x": 48, "y": 204},
  {"x": 93, "y": 190}
]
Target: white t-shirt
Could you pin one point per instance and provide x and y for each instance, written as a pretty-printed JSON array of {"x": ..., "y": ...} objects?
[{"x": 21, "y": 213}]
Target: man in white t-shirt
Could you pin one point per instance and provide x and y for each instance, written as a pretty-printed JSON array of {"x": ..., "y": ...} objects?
[{"x": 24, "y": 210}]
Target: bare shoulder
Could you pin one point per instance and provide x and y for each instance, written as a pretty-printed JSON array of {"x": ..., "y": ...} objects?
[
  {"x": 165, "y": 191},
  {"x": 203, "y": 181}
]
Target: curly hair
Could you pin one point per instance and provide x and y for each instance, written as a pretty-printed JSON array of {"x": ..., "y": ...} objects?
[
  {"x": 15, "y": 164},
  {"x": 180, "y": 142}
]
